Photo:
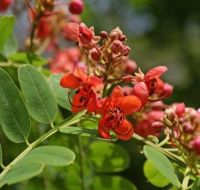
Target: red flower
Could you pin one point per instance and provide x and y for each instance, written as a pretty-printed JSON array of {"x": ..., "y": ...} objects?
[
  {"x": 86, "y": 96},
  {"x": 114, "y": 111},
  {"x": 151, "y": 85}
]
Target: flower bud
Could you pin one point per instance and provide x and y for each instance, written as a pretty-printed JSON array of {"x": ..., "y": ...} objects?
[
  {"x": 4, "y": 4},
  {"x": 95, "y": 54},
  {"x": 196, "y": 145},
  {"x": 76, "y": 7},
  {"x": 127, "y": 50},
  {"x": 130, "y": 67},
  {"x": 117, "y": 47},
  {"x": 104, "y": 35}
]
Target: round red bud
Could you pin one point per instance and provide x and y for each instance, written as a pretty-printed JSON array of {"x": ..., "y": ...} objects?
[
  {"x": 117, "y": 47},
  {"x": 196, "y": 145},
  {"x": 76, "y": 7},
  {"x": 95, "y": 54},
  {"x": 4, "y": 4},
  {"x": 104, "y": 35}
]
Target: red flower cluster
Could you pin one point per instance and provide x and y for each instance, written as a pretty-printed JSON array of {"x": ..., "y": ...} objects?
[{"x": 108, "y": 62}]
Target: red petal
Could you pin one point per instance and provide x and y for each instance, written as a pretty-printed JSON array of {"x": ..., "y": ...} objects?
[
  {"x": 103, "y": 132},
  {"x": 94, "y": 104},
  {"x": 129, "y": 104},
  {"x": 124, "y": 131},
  {"x": 155, "y": 72},
  {"x": 96, "y": 82},
  {"x": 70, "y": 81},
  {"x": 80, "y": 73},
  {"x": 117, "y": 92},
  {"x": 140, "y": 90},
  {"x": 76, "y": 104},
  {"x": 71, "y": 31}
]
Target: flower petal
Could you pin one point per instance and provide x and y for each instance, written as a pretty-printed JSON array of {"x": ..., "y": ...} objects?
[
  {"x": 102, "y": 130},
  {"x": 70, "y": 81},
  {"x": 129, "y": 104},
  {"x": 125, "y": 130},
  {"x": 117, "y": 92},
  {"x": 78, "y": 105},
  {"x": 95, "y": 82},
  {"x": 155, "y": 72},
  {"x": 141, "y": 91}
]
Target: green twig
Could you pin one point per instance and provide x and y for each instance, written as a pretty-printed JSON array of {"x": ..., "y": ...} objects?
[{"x": 72, "y": 120}]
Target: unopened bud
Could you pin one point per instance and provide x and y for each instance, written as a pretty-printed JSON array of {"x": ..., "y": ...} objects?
[
  {"x": 95, "y": 54},
  {"x": 104, "y": 35},
  {"x": 127, "y": 50},
  {"x": 117, "y": 47},
  {"x": 76, "y": 7},
  {"x": 196, "y": 145}
]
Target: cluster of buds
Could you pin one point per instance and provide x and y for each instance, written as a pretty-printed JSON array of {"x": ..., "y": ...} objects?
[
  {"x": 48, "y": 17},
  {"x": 149, "y": 122},
  {"x": 183, "y": 125},
  {"x": 106, "y": 54}
]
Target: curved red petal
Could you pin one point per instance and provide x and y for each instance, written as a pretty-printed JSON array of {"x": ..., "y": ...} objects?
[
  {"x": 103, "y": 132},
  {"x": 96, "y": 82},
  {"x": 125, "y": 130},
  {"x": 155, "y": 72},
  {"x": 141, "y": 91},
  {"x": 117, "y": 92},
  {"x": 76, "y": 104},
  {"x": 129, "y": 104},
  {"x": 70, "y": 81},
  {"x": 80, "y": 73}
]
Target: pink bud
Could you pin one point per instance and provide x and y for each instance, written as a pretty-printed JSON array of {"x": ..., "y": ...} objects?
[
  {"x": 180, "y": 109},
  {"x": 95, "y": 54},
  {"x": 76, "y": 7},
  {"x": 131, "y": 66},
  {"x": 104, "y": 35},
  {"x": 4, "y": 4},
  {"x": 196, "y": 145},
  {"x": 117, "y": 47}
]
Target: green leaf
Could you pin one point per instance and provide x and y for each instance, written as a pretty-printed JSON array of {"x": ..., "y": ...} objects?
[
  {"x": 59, "y": 92},
  {"x": 10, "y": 46},
  {"x": 1, "y": 155},
  {"x": 39, "y": 98},
  {"x": 161, "y": 163},
  {"x": 14, "y": 117},
  {"x": 22, "y": 172},
  {"x": 196, "y": 184},
  {"x": 23, "y": 57},
  {"x": 51, "y": 155},
  {"x": 154, "y": 176},
  {"x": 108, "y": 157},
  {"x": 79, "y": 131},
  {"x": 112, "y": 183},
  {"x": 6, "y": 29}
]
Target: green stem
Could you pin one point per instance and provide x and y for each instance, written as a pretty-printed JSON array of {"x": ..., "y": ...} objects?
[
  {"x": 2, "y": 64},
  {"x": 81, "y": 162},
  {"x": 74, "y": 119},
  {"x": 165, "y": 140},
  {"x": 186, "y": 179},
  {"x": 174, "y": 157}
]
